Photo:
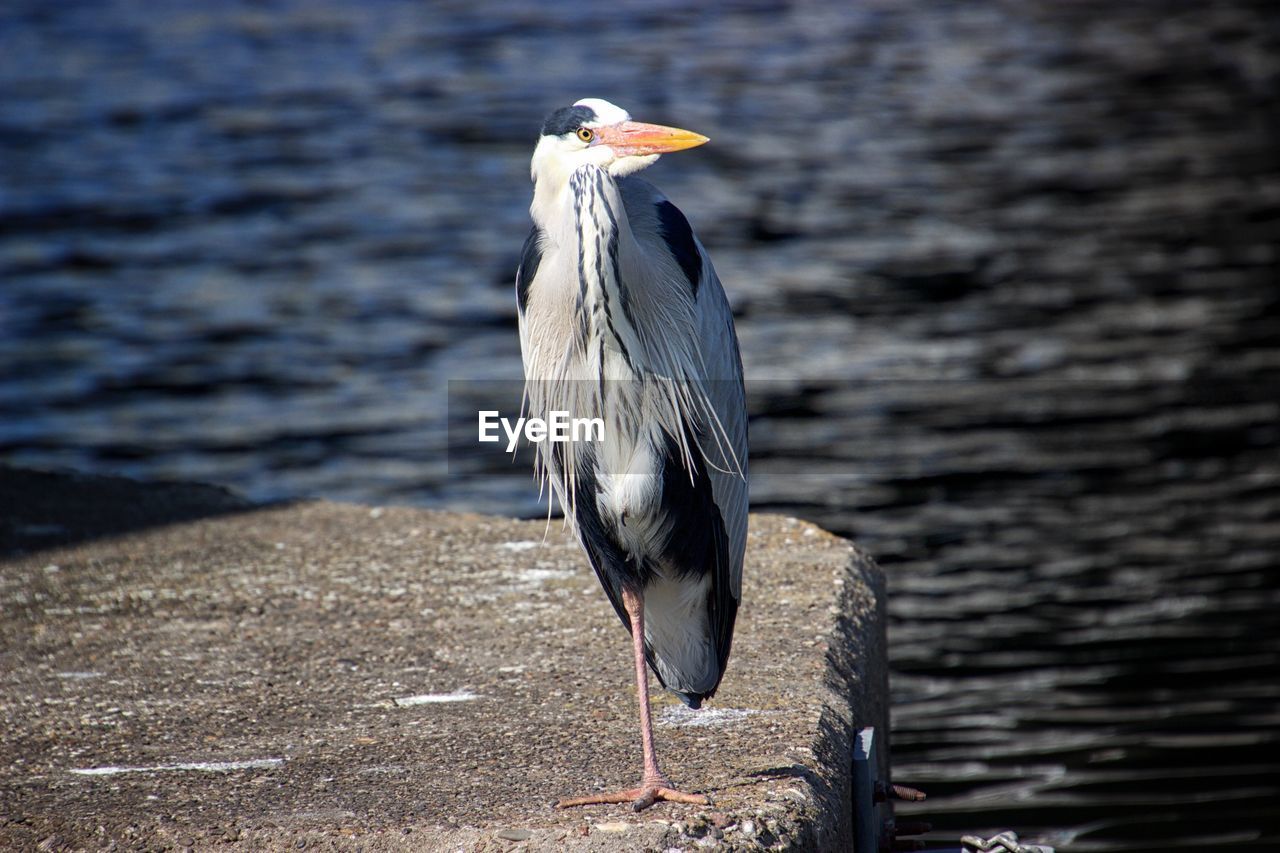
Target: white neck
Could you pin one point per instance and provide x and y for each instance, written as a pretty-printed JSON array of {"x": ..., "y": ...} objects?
[{"x": 552, "y": 165}]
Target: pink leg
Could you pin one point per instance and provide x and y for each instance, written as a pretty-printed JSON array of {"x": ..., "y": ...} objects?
[
  {"x": 655, "y": 786},
  {"x": 635, "y": 609}
]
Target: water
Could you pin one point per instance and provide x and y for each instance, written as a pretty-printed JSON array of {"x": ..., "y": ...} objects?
[{"x": 1005, "y": 277}]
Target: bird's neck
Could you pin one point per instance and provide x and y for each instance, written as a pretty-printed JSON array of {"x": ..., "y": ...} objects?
[
  {"x": 556, "y": 193},
  {"x": 601, "y": 237}
]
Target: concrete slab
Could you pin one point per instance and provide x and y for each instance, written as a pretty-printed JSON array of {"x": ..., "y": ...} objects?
[{"x": 328, "y": 676}]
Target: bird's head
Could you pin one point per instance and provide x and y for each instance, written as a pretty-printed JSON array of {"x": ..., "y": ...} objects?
[{"x": 596, "y": 132}]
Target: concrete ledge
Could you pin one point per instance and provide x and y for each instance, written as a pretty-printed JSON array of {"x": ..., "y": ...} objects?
[{"x": 328, "y": 676}]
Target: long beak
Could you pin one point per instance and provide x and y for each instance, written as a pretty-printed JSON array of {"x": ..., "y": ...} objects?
[{"x": 631, "y": 138}]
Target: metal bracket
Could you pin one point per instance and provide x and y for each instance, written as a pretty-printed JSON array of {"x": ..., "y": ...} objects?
[
  {"x": 867, "y": 821},
  {"x": 874, "y": 829}
]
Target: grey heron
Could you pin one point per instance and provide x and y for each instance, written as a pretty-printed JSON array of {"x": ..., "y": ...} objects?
[{"x": 622, "y": 317}]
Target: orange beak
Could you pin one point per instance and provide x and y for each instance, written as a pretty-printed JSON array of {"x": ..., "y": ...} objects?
[{"x": 633, "y": 138}]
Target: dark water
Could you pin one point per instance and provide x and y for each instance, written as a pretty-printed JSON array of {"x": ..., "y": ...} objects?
[{"x": 1008, "y": 286}]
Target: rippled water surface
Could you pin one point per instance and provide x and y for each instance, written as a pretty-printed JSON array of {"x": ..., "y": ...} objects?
[{"x": 1006, "y": 278}]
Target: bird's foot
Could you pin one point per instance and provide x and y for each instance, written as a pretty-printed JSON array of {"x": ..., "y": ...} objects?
[{"x": 650, "y": 792}]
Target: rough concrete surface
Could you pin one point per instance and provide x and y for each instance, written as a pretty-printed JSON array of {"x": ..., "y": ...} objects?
[{"x": 251, "y": 676}]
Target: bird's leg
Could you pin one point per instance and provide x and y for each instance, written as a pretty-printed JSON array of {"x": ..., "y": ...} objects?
[
  {"x": 654, "y": 786},
  {"x": 634, "y": 604}
]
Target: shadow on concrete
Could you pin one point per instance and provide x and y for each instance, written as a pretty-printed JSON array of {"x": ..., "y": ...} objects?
[
  {"x": 48, "y": 509},
  {"x": 792, "y": 771}
]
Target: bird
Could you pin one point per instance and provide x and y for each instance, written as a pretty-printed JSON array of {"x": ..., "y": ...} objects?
[{"x": 622, "y": 318}]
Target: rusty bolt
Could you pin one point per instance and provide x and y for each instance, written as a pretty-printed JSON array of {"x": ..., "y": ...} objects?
[{"x": 898, "y": 792}]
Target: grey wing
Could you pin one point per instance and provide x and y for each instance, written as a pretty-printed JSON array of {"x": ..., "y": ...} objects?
[
  {"x": 722, "y": 438},
  {"x": 725, "y": 447},
  {"x": 530, "y": 260}
]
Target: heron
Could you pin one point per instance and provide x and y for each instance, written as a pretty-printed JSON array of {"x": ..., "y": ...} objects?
[{"x": 622, "y": 317}]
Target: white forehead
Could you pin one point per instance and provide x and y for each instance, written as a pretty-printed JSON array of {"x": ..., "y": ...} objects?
[{"x": 606, "y": 113}]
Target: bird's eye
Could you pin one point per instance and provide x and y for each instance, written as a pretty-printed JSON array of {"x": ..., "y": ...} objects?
[{"x": 586, "y": 134}]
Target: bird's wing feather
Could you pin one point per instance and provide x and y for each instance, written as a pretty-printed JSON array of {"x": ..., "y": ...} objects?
[
  {"x": 530, "y": 260},
  {"x": 659, "y": 225},
  {"x": 727, "y": 467},
  {"x": 722, "y": 438}
]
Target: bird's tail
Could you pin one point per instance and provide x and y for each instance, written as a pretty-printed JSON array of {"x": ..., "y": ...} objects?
[{"x": 679, "y": 642}]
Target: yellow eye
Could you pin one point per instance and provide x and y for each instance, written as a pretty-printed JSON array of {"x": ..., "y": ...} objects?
[{"x": 585, "y": 134}]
